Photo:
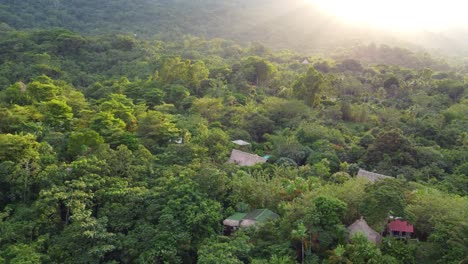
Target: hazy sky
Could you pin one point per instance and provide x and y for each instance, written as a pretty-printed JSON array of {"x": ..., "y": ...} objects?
[{"x": 434, "y": 15}]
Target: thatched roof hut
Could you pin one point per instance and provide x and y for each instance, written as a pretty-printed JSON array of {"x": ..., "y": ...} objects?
[
  {"x": 361, "y": 226},
  {"x": 245, "y": 159},
  {"x": 371, "y": 176},
  {"x": 23, "y": 87}
]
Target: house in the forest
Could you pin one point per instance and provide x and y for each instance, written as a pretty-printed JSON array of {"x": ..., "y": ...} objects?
[
  {"x": 241, "y": 143},
  {"x": 371, "y": 176},
  {"x": 361, "y": 226},
  {"x": 242, "y": 158},
  {"x": 306, "y": 62},
  {"x": 400, "y": 229},
  {"x": 240, "y": 220},
  {"x": 23, "y": 87}
]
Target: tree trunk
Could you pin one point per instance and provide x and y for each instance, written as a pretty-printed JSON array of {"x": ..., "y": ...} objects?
[{"x": 302, "y": 247}]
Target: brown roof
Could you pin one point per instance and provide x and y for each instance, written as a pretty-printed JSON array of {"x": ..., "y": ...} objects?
[
  {"x": 361, "y": 226},
  {"x": 371, "y": 175},
  {"x": 245, "y": 159}
]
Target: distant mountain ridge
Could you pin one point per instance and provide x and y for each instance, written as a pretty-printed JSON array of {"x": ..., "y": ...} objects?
[{"x": 276, "y": 23}]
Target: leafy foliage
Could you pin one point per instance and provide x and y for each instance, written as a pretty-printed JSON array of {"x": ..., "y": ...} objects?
[{"x": 113, "y": 148}]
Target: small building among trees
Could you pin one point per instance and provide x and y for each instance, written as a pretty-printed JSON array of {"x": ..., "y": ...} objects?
[
  {"x": 241, "y": 143},
  {"x": 361, "y": 226},
  {"x": 242, "y": 158},
  {"x": 240, "y": 220},
  {"x": 400, "y": 229},
  {"x": 371, "y": 176}
]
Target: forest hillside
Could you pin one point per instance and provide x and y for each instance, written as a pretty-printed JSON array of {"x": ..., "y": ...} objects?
[
  {"x": 279, "y": 24},
  {"x": 195, "y": 148}
]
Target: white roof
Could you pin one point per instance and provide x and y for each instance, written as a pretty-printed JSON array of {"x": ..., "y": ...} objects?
[
  {"x": 241, "y": 142},
  {"x": 230, "y": 222}
]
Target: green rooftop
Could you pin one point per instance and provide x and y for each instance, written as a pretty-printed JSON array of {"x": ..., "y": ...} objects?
[
  {"x": 251, "y": 218},
  {"x": 237, "y": 216},
  {"x": 261, "y": 215}
]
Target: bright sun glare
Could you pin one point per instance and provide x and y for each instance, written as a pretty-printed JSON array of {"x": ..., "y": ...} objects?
[{"x": 399, "y": 14}]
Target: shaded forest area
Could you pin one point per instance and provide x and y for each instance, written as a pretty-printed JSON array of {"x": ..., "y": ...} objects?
[{"x": 114, "y": 149}]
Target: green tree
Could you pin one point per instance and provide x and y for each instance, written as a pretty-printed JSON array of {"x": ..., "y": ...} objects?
[
  {"x": 156, "y": 129},
  {"x": 57, "y": 114},
  {"x": 83, "y": 142},
  {"x": 225, "y": 250},
  {"x": 300, "y": 233},
  {"x": 17, "y": 119},
  {"x": 176, "y": 94},
  {"x": 392, "y": 144},
  {"x": 174, "y": 70},
  {"x": 184, "y": 217},
  {"x": 16, "y": 94},
  {"x": 209, "y": 108},
  {"x": 19, "y": 156},
  {"x": 403, "y": 252},
  {"x": 196, "y": 74},
  {"x": 121, "y": 107},
  {"x": 310, "y": 86},
  {"x": 42, "y": 89},
  {"x": 107, "y": 125},
  {"x": 383, "y": 199},
  {"x": 324, "y": 224},
  {"x": 360, "y": 250},
  {"x": 22, "y": 253},
  {"x": 257, "y": 70}
]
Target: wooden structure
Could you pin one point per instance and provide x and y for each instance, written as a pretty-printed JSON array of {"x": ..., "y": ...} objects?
[
  {"x": 361, "y": 226},
  {"x": 305, "y": 62},
  {"x": 400, "y": 229},
  {"x": 371, "y": 176},
  {"x": 242, "y": 158},
  {"x": 242, "y": 220}
]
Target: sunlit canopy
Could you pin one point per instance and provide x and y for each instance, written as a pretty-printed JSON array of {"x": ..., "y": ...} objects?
[{"x": 399, "y": 14}]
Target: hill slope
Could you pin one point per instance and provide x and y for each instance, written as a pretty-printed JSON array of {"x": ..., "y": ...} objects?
[{"x": 278, "y": 24}]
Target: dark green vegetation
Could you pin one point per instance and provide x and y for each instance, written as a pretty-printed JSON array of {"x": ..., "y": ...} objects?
[{"x": 91, "y": 171}]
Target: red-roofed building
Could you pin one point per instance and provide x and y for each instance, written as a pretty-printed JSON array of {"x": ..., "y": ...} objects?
[{"x": 400, "y": 229}]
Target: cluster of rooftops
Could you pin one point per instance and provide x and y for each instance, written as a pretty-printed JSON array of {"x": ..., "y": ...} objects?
[
  {"x": 243, "y": 158},
  {"x": 396, "y": 227}
]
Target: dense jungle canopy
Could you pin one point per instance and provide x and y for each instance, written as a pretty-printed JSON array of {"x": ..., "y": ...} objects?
[{"x": 117, "y": 120}]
